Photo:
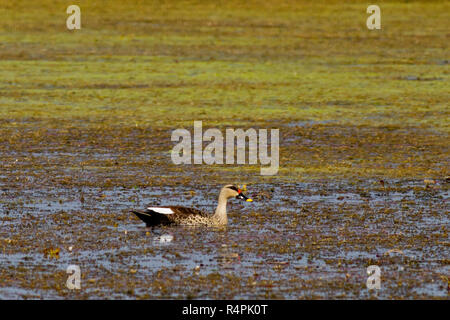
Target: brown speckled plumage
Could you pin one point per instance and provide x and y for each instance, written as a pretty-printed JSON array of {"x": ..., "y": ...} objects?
[{"x": 181, "y": 215}]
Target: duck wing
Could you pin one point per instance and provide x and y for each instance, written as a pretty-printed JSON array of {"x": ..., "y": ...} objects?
[{"x": 167, "y": 215}]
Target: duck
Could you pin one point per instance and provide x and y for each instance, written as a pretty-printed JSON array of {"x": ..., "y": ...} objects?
[{"x": 178, "y": 215}]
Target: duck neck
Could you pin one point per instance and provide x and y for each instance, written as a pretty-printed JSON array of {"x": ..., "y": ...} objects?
[{"x": 221, "y": 211}]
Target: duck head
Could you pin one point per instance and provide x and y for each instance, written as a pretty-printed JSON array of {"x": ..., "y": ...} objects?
[{"x": 233, "y": 191}]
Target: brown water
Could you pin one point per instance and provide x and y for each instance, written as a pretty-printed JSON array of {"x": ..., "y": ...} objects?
[{"x": 296, "y": 240}]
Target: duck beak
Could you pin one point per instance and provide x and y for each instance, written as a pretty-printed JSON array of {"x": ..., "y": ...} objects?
[{"x": 243, "y": 197}]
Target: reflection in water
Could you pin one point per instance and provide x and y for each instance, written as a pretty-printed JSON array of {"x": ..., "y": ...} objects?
[
  {"x": 226, "y": 257},
  {"x": 163, "y": 239}
]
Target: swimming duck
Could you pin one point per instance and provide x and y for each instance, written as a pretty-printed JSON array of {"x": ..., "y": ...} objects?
[{"x": 153, "y": 216}]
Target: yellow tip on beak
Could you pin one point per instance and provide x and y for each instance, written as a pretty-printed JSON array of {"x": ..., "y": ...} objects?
[{"x": 249, "y": 200}]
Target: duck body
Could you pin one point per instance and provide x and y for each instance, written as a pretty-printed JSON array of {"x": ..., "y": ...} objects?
[{"x": 153, "y": 216}]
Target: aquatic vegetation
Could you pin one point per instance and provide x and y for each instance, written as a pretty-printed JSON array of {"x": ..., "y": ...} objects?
[{"x": 85, "y": 125}]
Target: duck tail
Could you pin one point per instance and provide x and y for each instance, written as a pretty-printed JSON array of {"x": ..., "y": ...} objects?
[
  {"x": 144, "y": 216},
  {"x": 138, "y": 212}
]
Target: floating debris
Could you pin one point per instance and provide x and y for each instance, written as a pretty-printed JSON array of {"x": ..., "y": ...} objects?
[{"x": 52, "y": 252}]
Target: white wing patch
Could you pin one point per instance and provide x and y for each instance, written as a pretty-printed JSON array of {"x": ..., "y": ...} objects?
[{"x": 161, "y": 210}]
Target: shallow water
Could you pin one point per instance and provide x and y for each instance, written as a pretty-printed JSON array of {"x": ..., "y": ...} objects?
[
  {"x": 85, "y": 135},
  {"x": 303, "y": 240}
]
